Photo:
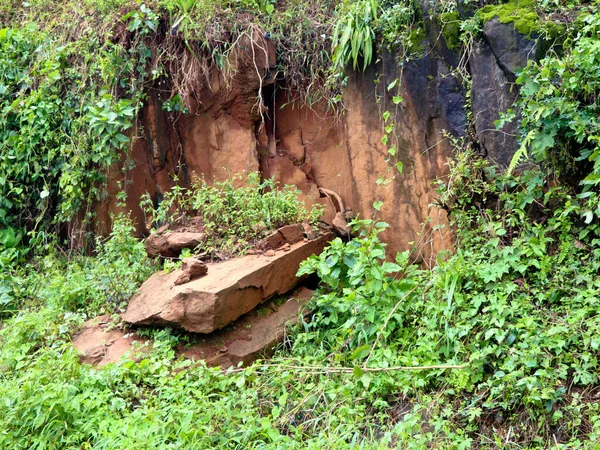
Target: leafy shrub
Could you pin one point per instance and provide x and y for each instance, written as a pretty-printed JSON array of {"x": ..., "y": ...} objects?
[
  {"x": 57, "y": 139},
  {"x": 400, "y": 27},
  {"x": 235, "y": 212},
  {"x": 560, "y": 114},
  {"x": 354, "y": 34},
  {"x": 516, "y": 304},
  {"x": 11, "y": 254},
  {"x": 100, "y": 284},
  {"x": 360, "y": 288}
]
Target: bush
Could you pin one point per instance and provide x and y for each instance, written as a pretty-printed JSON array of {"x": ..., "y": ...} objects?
[
  {"x": 560, "y": 110},
  {"x": 236, "y": 212},
  {"x": 516, "y": 305},
  {"x": 91, "y": 284},
  {"x": 354, "y": 34}
]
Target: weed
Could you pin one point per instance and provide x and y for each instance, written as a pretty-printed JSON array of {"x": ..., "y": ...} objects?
[
  {"x": 95, "y": 285},
  {"x": 236, "y": 212}
]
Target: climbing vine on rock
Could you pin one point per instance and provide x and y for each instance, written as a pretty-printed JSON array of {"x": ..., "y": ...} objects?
[
  {"x": 67, "y": 111},
  {"x": 560, "y": 110}
]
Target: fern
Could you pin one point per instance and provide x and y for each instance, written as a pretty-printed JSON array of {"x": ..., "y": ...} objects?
[{"x": 521, "y": 153}]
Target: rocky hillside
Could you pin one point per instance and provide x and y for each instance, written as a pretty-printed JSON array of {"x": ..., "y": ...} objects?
[
  {"x": 299, "y": 224},
  {"x": 452, "y": 87},
  {"x": 212, "y": 89}
]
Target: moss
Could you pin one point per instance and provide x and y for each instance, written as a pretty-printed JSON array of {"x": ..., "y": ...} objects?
[
  {"x": 450, "y": 25},
  {"x": 417, "y": 37},
  {"x": 554, "y": 30},
  {"x": 521, "y": 13}
]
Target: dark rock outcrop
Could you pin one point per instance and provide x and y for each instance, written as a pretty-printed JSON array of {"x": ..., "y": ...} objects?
[{"x": 494, "y": 65}]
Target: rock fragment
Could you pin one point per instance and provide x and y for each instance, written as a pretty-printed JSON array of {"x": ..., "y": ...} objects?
[
  {"x": 170, "y": 245},
  {"x": 191, "y": 268},
  {"x": 98, "y": 345}
]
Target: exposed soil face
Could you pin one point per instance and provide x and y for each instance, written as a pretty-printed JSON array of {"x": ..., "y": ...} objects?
[
  {"x": 233, "y": 130},
  {"x": 246, "y": 123}
]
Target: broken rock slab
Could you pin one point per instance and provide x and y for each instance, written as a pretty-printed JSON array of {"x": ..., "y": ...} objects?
[
  {"x": 98, "y": 346},
  {"x": 171, "y": 244},
  {"x": 289, "y": 234},
  {"x": 229, "y": 290},
  {"x": 253, "y": 336}
]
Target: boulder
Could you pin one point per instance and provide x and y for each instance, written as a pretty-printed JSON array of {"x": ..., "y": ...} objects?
[
  {"x": 170, "y": 244},
  {"x": 229, "y": 290},
  {"x": 494, "y": 64},
  {"x": 191, "y": 268},
  {"x": 98, "y": 345},
  {"x": 251, "y": 337}
]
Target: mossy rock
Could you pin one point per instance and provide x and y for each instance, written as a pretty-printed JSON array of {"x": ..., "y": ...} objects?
[
  {"x": 417, "y": 38},
  {"x": 521, "y": 13},
  {"x": 449, "y": 24}
]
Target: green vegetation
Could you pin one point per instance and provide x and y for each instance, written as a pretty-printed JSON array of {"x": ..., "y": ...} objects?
[
  {"x": 354, "y": 35},
  {"x": 515, "y": 308},
  {"x": 60, "y": 124},
  {"x": 94, "y": 285},
  {"x": 450, "y": 25},
  {"x": 66, "y": 111},
  {"x": 521, "y": 13},
  {"x": 496, "y": 347},
  {"x": 560, "y": 115},
  {"x": 235, "y": 212},
  {"x": 548, "y": 19}
]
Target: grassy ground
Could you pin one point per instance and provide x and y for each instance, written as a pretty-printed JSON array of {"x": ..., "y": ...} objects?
[{"x": 504, "y": 336}]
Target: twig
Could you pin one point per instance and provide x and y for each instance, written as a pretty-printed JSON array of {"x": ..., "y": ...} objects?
[{"x": 316, "y": 370}]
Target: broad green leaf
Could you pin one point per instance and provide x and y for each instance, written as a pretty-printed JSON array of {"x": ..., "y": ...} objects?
[{"x": 360, "y": 352}]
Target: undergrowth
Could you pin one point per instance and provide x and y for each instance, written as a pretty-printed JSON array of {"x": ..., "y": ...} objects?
[
  {"x": 496, "y": 347},
  {"x": 503, "y": 335},
  {"x": 234, "y": 213},
  {"x": 99, "y": 284}
]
